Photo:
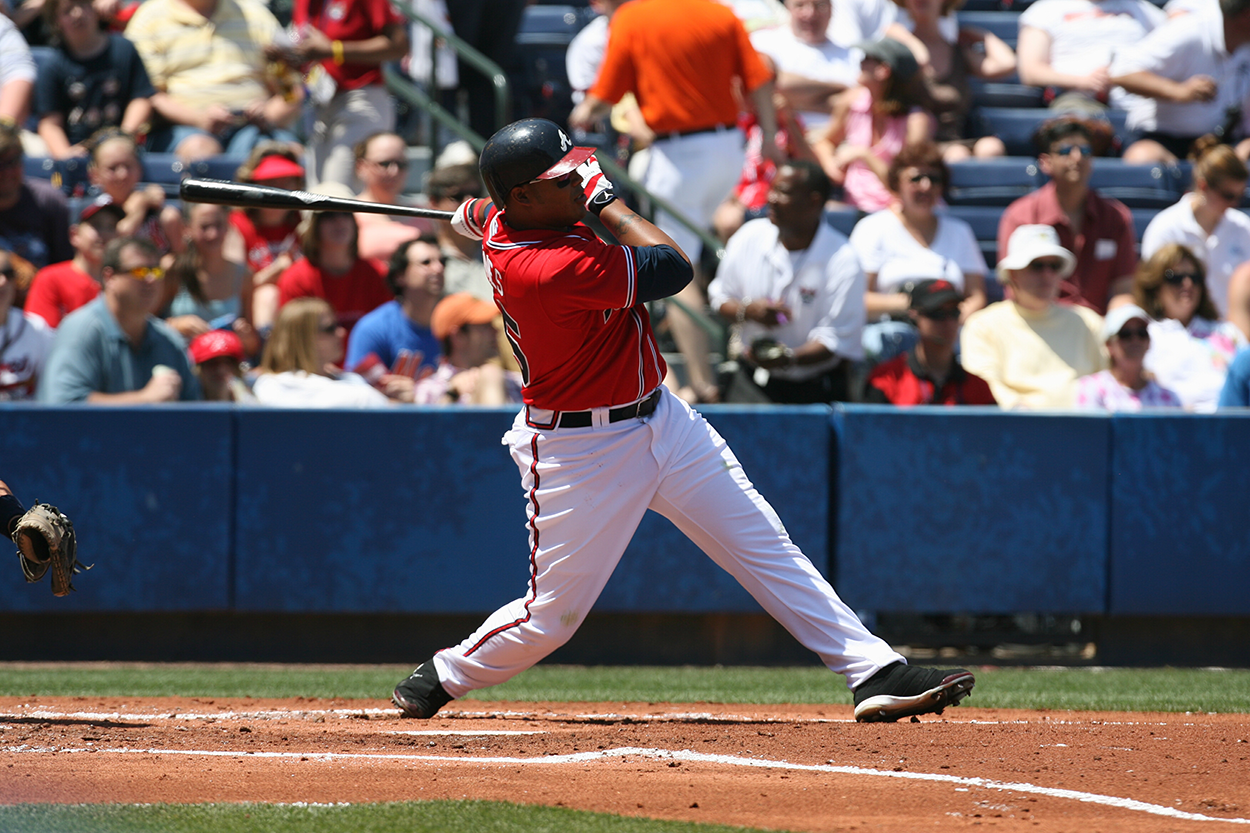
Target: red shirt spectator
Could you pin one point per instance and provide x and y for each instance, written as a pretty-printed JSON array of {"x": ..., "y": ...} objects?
[
  {"x": 344, "y": 20},
  {"x": 353, "y": 293},
  {"x": 903, "y": 381}
]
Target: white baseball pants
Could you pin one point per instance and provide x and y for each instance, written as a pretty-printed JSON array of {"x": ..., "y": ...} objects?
[{"x": 588, "y": 489}]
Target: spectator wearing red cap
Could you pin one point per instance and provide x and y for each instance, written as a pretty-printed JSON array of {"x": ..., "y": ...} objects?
[
  {"x": 267, "y": 239},
  {"x": 218, "y": 357},
  {"x": 61, "y": 288},
  {"x": 929, "y": 373},
  {"x": 466, "y": 375}
]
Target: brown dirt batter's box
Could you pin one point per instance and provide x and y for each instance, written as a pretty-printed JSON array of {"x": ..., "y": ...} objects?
[{"x": 802, "y": 768}]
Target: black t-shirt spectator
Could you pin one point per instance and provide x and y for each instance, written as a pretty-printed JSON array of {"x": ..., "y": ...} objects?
[
  {"x": 94, "y": 93},
  {"x": 37, "y": 226}
]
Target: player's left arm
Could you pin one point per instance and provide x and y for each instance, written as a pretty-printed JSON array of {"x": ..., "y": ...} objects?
[
  {"x": 469, "y": 220},
  {"x": 10, "y": 509}
]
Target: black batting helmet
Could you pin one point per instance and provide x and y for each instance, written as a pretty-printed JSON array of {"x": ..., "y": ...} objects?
[{"x": 524, "y": 151}]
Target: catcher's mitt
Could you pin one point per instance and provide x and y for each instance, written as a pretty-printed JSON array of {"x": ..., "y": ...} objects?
[{"x": 45, "y": 538}]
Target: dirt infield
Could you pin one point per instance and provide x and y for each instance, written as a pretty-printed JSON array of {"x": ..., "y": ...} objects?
[{"x": 801, "y": 768}]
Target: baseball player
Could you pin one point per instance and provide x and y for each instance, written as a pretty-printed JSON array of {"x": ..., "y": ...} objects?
[{"x": 600, "y": 440}]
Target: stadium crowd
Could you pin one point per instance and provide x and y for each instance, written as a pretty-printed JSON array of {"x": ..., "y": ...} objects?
[{"x": 829, "y": 145}]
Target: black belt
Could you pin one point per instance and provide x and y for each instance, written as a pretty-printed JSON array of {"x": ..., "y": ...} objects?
[
  {"x": 584, "y": 419},
  {"x": 716, "y": 128}
]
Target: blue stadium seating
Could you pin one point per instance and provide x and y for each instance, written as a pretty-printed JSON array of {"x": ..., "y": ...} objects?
[
  {"x": 842, "y": 219},
  {"x": 1016, "y": 126},
  {"x": 984, "y": 221},
  {"x": 168, "y": 171},
  {"x": 538, "y": 68},
  {"x": 1004, "y": 24},
  {"x": 1138, "y": 186},
  {"x": 1005, "y": 93},
  {"x": 992, "y": 181},
  {"x": 70, "y": 175}
]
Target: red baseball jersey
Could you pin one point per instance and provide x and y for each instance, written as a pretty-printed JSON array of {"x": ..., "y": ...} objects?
[{"x": 571, "y": 311}]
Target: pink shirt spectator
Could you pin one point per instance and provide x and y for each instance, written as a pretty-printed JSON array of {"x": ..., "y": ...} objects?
[
  {"x": 864, "y": 189},
  {"x": 431, "y": 389},
  {"x": 1101, "y": 392}
]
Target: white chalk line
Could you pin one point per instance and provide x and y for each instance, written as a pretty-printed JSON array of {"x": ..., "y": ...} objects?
[
  {"x": 683, "y": 755},
  {"x": 589, "y": 717}
]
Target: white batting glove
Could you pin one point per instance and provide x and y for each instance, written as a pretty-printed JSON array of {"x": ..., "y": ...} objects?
[
  {"x": 597, "y": 187},
  {"x": 464, "y": 221}
]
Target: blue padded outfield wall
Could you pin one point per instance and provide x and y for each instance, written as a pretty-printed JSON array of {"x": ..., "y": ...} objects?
[{"x": 213, "y": 508}]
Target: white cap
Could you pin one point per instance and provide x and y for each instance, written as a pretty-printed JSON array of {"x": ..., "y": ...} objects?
[
  {"x": 1118, "y": 317},
  {"x": 458, "y": 152},
  {"x": 1028, "y": 243}
]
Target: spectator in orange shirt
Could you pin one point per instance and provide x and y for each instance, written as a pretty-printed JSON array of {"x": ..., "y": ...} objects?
[{"x": 683, "y": 60}]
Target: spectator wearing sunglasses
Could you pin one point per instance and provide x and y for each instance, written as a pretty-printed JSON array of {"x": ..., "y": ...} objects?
[
  {"x": 1206, "y": 220},
  {"x": 300, "y": 366},
  {"x": 447, "y": 188},
  {"x": 1097, "y": 230},
  {"x": 893, "y": 242},
  {"x": 929, "y": 373},
  {"x": 1030, "y": 348},
  {"x": 113, "y": 351},
  {"x": 1190, "y": 349},
  {"x": 1125, "y": 386},
  {"x": 415, "y": 277},
  {"x": 382, "y": 168}
]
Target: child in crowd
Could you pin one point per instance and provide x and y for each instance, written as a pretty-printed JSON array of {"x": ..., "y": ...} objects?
[
  {"x": 93, "y": 81},
  {"x": 267, "y": 239},
  {"x": 60, "y": 288},
  {"x": 116, "y": 170},
  {"x": 218, "y": 357},
  {"x": 871, "y": 123},
  {"x": 212, "y": 292}
]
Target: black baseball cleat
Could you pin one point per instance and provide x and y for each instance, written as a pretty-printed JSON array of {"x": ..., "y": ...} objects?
[
  {"x": 421, "y": 695},
  {"x": 901, "y": 690}
]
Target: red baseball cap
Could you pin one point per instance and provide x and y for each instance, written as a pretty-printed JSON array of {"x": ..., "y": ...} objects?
[
  {"x": 276, "y": 167},
  {"x": 214, "y": 344}
]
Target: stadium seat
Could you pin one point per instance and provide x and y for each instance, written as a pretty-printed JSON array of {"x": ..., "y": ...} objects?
[
  {"x": 1005, "y": 93},
  {"x": 1138, "y": 186},
  {"x": 1016, "y": 126},
  {"x": 1004, "y": 24},
  {"x": 538, "y": 69},
  {"x": 217, "y": 167},
  {"x": 992, "y": 181},
  {"x": 842, "y": 219},
  {"x": 984, "y": 221},
  {"x": 70, "y": 175}
]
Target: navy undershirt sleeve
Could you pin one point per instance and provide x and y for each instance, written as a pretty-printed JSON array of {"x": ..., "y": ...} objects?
[
  {"x": 661, "y": 272},
  {"x": 10, "y": 510}
]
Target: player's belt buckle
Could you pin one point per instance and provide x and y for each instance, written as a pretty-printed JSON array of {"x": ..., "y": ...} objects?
[{"x": 585, "y": 419}]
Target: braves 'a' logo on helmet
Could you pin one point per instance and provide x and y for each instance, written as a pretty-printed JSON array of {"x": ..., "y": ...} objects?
[{"x": 565, "y": 141}]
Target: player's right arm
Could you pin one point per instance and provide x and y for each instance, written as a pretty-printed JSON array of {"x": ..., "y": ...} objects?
[{"x": 662, "y": 268}]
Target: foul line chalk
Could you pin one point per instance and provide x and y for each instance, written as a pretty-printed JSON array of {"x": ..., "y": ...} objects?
[{"x": 681, "y": 755}]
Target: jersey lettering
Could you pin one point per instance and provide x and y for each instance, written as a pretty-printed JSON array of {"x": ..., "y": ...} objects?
[{"x": 512, "y": 332}]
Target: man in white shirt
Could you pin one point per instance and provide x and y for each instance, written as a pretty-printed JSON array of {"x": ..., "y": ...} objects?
[
  {"x": 856, "y": 21},
  {"x": 1068, "y": 45},
  {"x": 1191, "y": 78},
  {"x": 795, "y": 288},
  {"x": 810, "y": 68}
]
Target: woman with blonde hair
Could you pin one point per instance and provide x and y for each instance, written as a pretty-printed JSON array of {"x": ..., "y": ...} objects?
[
  {"x": 1190, "y": 349},
  {"x": 1206, "y": 220},
  {"x": 299, "y": 368}
]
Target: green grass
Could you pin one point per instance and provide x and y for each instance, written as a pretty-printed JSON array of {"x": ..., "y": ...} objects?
[
  {"x": 409, "y": 817},
  {"x": 1163, "y": 689}
]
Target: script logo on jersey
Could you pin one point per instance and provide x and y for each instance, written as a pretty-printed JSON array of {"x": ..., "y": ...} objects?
[{"x": 571, "y": 312}]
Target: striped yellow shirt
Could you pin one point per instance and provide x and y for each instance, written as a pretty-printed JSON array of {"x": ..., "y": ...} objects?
[{"x": 201, "y": 61}]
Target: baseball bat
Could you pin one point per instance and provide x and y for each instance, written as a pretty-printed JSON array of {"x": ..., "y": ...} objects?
[{"x": 245, "y": 195}]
